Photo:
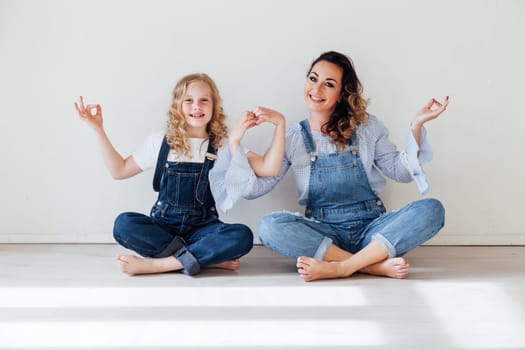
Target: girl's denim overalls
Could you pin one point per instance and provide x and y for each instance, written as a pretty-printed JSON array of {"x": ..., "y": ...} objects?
[
  {"x": 343, "y": 210},
  {"x": 184, "y": 222}
]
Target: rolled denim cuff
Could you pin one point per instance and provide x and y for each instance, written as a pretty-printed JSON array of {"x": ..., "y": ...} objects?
[
  {"x": 323, "y": 247},
  {"x": 390, "y": 249},
  {"x": 190, "y": 265}
]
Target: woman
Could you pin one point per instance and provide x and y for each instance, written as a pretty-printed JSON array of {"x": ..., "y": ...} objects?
[{"x": 337, "y": 156}]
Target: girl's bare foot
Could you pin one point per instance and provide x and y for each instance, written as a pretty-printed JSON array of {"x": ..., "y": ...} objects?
[
  {"x": 313, "y": 269},
  {"x": 134, "y": 265},
  {"x": 226, "y": 265},
  {"x": 393, "y": 267}
]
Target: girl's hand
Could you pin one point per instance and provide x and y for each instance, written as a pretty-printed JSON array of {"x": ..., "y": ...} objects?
[
  {"x": 246, "y": 121},
  {"x": 268, "y": 115},
  {"x": 86, "y": 114},
  {"x": 428, "y": 113}
]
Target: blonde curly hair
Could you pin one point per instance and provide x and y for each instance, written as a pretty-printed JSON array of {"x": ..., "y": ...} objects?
[
  {"x": 176, "y": 134},
  {"x": 351, "y": 110}
]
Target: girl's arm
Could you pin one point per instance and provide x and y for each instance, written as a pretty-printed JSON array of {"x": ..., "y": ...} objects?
[
  {"x": 118, "y": 167},
  {"x": 270, "y": 163}
]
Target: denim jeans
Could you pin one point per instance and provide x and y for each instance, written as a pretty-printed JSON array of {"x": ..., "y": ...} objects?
[
  {"x": 294, "y": 235},
  {"x": 210, "y": 242}
]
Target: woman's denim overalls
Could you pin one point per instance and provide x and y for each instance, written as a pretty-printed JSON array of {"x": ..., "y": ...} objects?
[
  {"x": 343, "y": 210},
  {"x": 184, "y": 222}
]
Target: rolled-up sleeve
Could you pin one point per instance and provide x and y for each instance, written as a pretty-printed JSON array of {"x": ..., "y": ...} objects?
[
  {"x": 414, "y": 155},
  {"x": 232, "y": 178},
  {"x": 402, "y": 166}
]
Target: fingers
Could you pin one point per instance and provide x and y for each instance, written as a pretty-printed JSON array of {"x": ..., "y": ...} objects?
[
  {"x": 429, "y": 104},
  {"x": 268, "y": 115},
  {"x": 444, "y": 104},
  {"x": 82, "y": 110},
  {"x": 441, "y": 106}
]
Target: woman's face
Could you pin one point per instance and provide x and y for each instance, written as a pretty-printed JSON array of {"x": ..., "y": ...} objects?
[
  {"x": 197, "y": 105},
  {"x": 322, "y": 89}
]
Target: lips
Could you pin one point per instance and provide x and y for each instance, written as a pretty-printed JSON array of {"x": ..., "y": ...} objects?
[
  {"x": 316, "y": 98},
  {"x": 197, "y": 115}
]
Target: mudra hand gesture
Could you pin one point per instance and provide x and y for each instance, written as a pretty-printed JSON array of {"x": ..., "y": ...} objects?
[{"x": 86, "y": 114}]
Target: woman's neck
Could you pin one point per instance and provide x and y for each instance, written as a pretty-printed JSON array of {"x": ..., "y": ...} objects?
[{"x": 317, "y": 120}]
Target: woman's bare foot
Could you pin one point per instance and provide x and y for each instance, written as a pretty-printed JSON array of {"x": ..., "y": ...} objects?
[
  {"x": 313, "y": 269},
  {"x": 226, "y": 265},
  {"x": 393, "y": 267},
  {"x": 134, "y": 265}
]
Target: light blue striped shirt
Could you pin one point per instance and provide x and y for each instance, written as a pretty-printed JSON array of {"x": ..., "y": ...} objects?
[{"x": 232, "y": 177}]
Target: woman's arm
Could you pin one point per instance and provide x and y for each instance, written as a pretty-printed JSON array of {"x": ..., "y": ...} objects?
[
  {"x": 118, "y": 167},
  {"x": 270, "y": 163},
  {"x": 426, "y": 114},
  {"x": 232, "y": 178},
  {"x": 406, "y": 166}
]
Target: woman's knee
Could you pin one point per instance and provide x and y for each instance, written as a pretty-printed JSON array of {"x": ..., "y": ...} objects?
[
  {"x": 435, "y": 211},
  {"x": 271, "y": 226}
]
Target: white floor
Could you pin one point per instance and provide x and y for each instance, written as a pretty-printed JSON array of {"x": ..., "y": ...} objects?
[{"x": 74, "y": 297}]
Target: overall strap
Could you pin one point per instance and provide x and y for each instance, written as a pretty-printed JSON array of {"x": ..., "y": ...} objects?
[
  {"x": 307, "y": 136},
  {"x": 161, "y": 161},
  {"x": 203, "y": 183},
  {"x": 353, "y": 142}
]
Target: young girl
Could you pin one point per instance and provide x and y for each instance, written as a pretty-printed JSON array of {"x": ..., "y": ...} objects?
[
  {"x": 183, "y": 231},
  {"x": 339, "y": 156}
]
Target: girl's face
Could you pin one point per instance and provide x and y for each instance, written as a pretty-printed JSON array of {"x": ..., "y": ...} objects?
[
  {"x": 322, "y": 89},
  {"x": 197, "y": 106}
]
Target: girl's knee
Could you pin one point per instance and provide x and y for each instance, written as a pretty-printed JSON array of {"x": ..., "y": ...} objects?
[
  {"x": 244, "y": 237},
  {"x": 123, "y": 226},
  {"x": 120, "y": 225}
]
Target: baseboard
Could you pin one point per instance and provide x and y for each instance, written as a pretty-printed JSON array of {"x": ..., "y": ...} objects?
[
  {"x": 56, "y": 238},
  {"x": 448, "y": 239},
  {"x": 478, "y": 239}
]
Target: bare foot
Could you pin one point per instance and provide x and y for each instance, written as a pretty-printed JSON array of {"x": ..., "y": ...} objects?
[
  {"x": 227, "y": 265},
  {"x": 134, "y": 265},
  {"x": 313, "y": 269},
  {"x": 393, "y": 267}
]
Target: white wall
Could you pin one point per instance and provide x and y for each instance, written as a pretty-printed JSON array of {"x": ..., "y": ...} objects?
[{"x": 127, "y": 55}]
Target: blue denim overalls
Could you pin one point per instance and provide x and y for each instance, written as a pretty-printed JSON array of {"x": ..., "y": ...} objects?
[
  {"x": 343, "y": 210},
  {"x": 339, "y": 193},
  {"x": 184, "y": 222}
]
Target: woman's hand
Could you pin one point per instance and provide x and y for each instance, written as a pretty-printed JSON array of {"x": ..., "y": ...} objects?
[
  {"x": 428, "y": 112},
  {"x": 249, "y": 119},
  {"x": 86, "y": 114},
  {"x": 268, "y": 115}
]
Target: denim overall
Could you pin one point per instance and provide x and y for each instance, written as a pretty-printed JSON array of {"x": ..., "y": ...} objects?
[
  {"x": 343, "y": 210},
  {"x": 184, "y": 222}
]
